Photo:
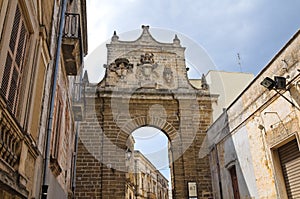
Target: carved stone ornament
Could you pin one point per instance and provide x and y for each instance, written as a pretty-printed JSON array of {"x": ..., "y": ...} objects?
[
  {"x": 204, "y": 84},
  {"x": 146, "y": 67},
  {"x": 121, "y": 67},
  {"x": 147, "y": 58},
  {"x": 168, "y": 75}
]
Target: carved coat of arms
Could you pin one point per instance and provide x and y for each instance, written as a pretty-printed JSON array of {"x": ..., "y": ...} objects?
[{"x": 146, "y": 69}]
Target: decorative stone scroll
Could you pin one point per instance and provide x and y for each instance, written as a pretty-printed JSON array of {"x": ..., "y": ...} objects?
[
  {"x": 168, "y": 75},
  {"x": 121, "y": 67}
]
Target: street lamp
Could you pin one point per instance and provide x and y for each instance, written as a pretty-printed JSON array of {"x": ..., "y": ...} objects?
[
  {"x": 128, "y": 153},
  {"x": 268, "y": 83},
  {"x": 279, "y": 83}
]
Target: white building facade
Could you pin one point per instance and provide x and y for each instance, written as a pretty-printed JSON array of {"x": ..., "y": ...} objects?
[
  {"x": 254, "y": 144},
  {"x": 227, "y": 85}
]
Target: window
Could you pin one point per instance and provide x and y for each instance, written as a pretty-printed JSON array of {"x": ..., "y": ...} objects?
[
  {"x": 13, "y": 68},
  {"x": 57, "y": 129}
]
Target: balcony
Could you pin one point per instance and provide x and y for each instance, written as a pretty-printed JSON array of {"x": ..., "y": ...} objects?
[
  {"x": 10, "y": 139},
  {"x": 77, "y": 102},
  {"x": 151, "y": 195},
  {"x": 78, "y": 111},
  {"x": 71, "y": 44}
]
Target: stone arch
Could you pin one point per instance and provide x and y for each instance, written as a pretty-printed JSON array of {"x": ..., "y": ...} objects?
[
  {"x": 169, "y": 130},
  {"x": 147, "y": 86}
]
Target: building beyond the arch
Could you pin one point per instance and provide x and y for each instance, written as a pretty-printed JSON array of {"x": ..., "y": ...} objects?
[{"x": 144, "y": 180}]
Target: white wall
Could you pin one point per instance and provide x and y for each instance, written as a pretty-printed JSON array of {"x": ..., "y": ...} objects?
[{"x": 228, "y": 85}]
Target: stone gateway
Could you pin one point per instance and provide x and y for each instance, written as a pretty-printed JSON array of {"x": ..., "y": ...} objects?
[{"x": 145, "y": 84}]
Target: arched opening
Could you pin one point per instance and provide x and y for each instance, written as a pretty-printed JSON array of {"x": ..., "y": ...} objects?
[{"x": 152, "y": 177}]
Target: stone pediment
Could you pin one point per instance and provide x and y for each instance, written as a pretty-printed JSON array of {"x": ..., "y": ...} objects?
[
  {"x": 145, "y": 63},
  {"x": 145, "y": 39}
]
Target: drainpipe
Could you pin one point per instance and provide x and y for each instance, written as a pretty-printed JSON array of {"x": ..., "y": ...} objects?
[
  {"x": 53, "y": 92},
  {"x": 74, "y": 161}
]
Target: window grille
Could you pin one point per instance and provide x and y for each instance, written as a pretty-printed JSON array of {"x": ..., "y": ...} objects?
[{"x": 11, "y": 79}]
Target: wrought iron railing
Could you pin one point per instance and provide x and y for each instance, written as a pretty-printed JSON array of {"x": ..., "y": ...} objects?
[
  {"x": 9, "y": 141},
  {"x": 72, "y": 26}
]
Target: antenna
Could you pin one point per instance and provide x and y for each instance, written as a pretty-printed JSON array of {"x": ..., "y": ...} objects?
[{"x": 239, "y": 61}]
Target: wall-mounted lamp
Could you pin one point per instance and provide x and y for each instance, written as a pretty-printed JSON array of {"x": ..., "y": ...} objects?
[
  {"x": 128, "y": 153},
  {"x": 279, "y": 83}
]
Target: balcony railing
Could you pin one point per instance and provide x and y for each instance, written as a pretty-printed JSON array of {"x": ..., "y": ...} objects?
[
  {"x": 9, "y": 140},
  {"x": 151, "y": 195},
  {"x": 72, "y": 26},
  {"x": 72, "y": 44}
]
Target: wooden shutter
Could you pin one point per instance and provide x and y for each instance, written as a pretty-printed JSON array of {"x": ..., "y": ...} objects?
[
  {"x": 289, "y": 156},
  {"x": 57, "y": 131},
  {"x": 14, "y": 60}
]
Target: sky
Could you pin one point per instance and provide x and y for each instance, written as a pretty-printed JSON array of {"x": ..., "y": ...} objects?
[
  {"x": 145, "y": 140},
  {"x": 254, "y": 29},
  {"x": 219, "y": 30}
]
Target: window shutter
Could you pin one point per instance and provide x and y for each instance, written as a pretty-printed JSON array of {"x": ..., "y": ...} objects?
[
  {"x": 6, "y": 74},
  {"x": 14, "y": 32},
  {"x": 57, "y": 131},
  {"x": 13, "y": 88},
  {"x": 21, "y": 45},
  {"x": 11, "y": 79},
  {"x": 289, "y": 155}
]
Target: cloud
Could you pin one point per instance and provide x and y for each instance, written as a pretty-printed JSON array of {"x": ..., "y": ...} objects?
[{"x": 255, "y": 29}]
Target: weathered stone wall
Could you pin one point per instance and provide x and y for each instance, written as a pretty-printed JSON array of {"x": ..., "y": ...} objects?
[{"x": 248, "y": 135}]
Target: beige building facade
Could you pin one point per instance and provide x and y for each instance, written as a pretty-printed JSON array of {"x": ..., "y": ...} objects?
[
  {"x": 254, "y": 144},
  {"x": 144, "y": 180},
  {"x": 29, "y": 32}
]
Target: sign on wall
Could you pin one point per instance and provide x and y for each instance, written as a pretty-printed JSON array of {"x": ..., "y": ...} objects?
[{"x": 192, "y": 188}]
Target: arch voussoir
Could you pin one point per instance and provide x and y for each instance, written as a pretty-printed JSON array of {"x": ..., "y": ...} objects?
[
  {"x": 157, "y": 122},
  {"x": 141, "y": 121}
]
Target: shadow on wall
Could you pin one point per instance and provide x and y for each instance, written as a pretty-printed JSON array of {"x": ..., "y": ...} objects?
[{"x": 229, "y": 161}]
